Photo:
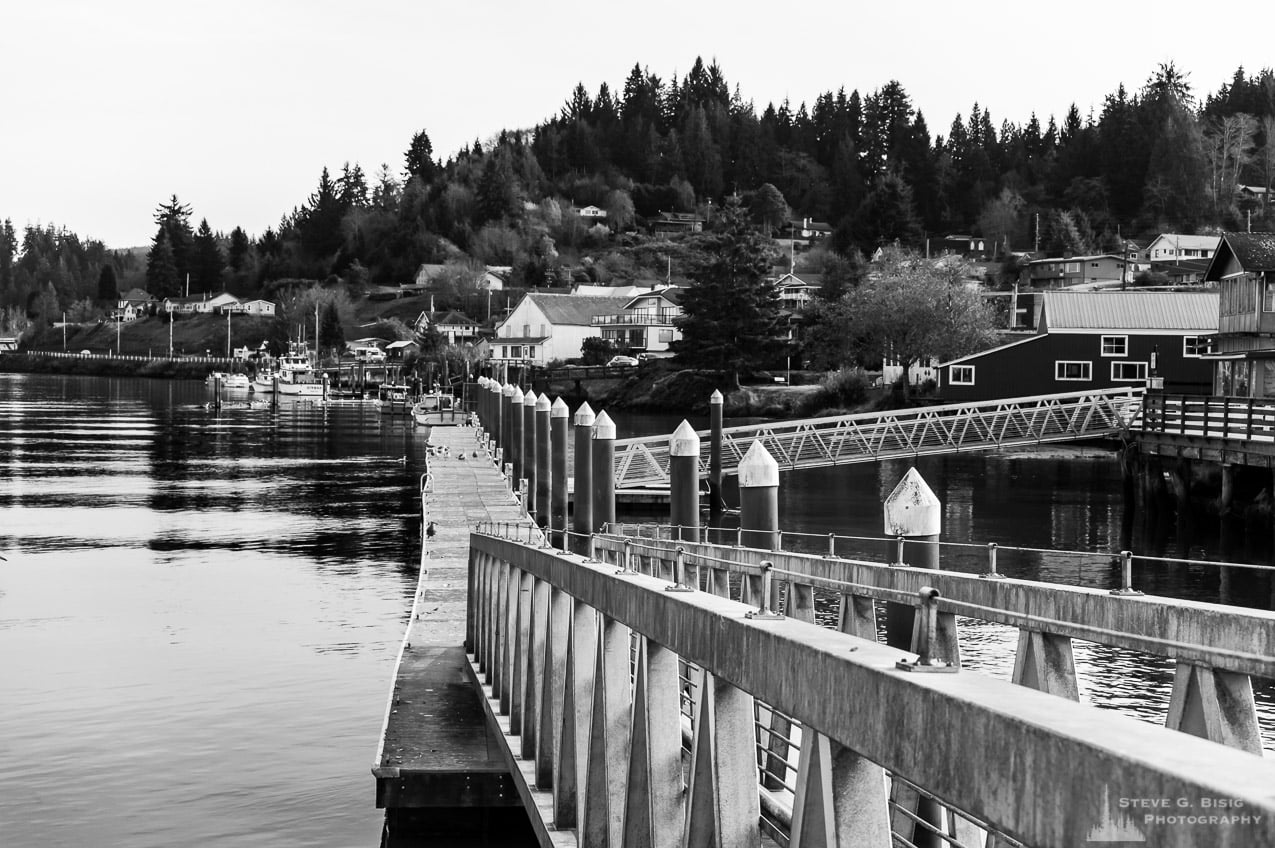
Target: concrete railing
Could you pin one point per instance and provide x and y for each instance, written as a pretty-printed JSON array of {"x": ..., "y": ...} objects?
[{"x": 597, "y": 748}]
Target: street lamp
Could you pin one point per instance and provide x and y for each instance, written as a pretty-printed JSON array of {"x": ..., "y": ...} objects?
[{"x": 1154, "y": 380}]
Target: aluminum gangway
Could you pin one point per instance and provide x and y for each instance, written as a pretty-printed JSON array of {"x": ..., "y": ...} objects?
[{"x": 868, "y": 437}]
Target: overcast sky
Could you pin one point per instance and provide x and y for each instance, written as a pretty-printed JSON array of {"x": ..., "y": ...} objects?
[{"x": 111, "y": 106}]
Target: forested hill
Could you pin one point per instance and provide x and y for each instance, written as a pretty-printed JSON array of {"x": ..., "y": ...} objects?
[{"x": 1159, "y": 157}]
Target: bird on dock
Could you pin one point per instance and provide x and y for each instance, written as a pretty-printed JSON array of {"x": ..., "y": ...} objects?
[{"x": 429, "y": 530}]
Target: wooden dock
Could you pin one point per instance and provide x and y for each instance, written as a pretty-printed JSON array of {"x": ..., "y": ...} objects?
[{"x": 437, "y": 750}]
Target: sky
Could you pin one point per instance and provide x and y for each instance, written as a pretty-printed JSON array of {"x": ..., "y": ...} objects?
[{"x": 110, "y": 108}]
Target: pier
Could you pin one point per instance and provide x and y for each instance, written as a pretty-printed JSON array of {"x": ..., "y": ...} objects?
[{"x": 645, "y": 685}]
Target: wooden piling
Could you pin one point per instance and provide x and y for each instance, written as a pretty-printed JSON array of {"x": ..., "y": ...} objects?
[
  {"x": 684, "y": 446},
  {"x": 582, "y": 503},
  {"x": 603, "y": 472},
  {"x": 558, "y": 472}
]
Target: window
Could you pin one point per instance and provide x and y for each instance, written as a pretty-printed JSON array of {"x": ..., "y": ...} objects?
[
  {"x": 666, "y": 336},
  {"x": 1071, "y": 268},
  {"x": 1065, "y": 370},
  {"x": 1268, "y": 296},
  {"x": 1126, "y": 372},
  {"x": 1195, "y": 345},
  {"x": 962, "y": 375},
  {"x": 504, "y": 351},
  {"x": 531, "y": 351},
  {"x": 1115, "y": 345},
  {"x": 526, "y": 331}
]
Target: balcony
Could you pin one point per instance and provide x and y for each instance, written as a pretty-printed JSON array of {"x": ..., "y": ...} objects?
[{"x": 639, "y": 318}]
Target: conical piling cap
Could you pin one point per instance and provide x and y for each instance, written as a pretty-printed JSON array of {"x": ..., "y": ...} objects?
[
  {"x": 913, "y": 509},
  {"x": 508, "y": 390},
  {"x": 584, "y": 416},
  {"x": 603, "y": 427},
  {"x": 543, "y": 404},
  {"x": 758, "y": 468},
  {"x": 559, "y": 409},
  {"x": 516, "y": 396},
  {"x": 494, "y": 386},
  {"x": 684, "y": 441},
  {"x": 715, "y": 398},
  {"x": 529, "y": 399}
]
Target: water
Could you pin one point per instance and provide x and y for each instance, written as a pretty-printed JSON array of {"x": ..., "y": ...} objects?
[
  {"x": 199, "y": 614},
  {"x": 199, "y": 611}
]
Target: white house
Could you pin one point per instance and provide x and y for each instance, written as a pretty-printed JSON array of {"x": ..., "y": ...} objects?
[
  {"x": 645, "y": 323},
  {"x": 1168, "y": 247},
  {"x": 257, "y": 307},
  {"x": 8, "y": 344},
  {"x": 795, "y": 293},
  {"x": 545, "y": 327},
  {"x": 593, "y": 212},
  {"x": 224, "y": 302}
]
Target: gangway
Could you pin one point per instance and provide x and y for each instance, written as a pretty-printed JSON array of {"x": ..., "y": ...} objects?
[{"x": 868, "y": 437}]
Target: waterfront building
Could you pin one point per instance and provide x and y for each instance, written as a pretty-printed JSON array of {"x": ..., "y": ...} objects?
[
  {"x": 1243, "y": 355},
  {"x": 547, "y": 327},
  {"x": 645, "y": 323},
  {"x": 1096, "y": 340}
]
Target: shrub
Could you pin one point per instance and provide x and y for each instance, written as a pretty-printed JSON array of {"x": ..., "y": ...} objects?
[{"x": 842, "y": 389}]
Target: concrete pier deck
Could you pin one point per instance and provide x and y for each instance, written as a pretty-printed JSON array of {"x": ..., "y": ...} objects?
[{"x": 436, "y": 749}]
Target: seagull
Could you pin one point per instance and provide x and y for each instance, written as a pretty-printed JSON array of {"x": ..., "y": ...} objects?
[{"x": 429, "y": 531}]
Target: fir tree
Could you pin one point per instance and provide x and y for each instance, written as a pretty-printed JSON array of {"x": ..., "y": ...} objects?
[
  {"x": 107, "y": 285},
  {"x": 331, "y": 334},
  {"x": 161, "y": 269},
  {"x": 208, "y": 262},
  {"x": 732, "y": 320},
  {"x": 419, "y": 158}
]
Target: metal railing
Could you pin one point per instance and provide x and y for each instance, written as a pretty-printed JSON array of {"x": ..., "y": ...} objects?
[{"x": 868, "y": 437}]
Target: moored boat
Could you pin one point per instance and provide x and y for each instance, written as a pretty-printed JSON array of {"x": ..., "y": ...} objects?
[
  {"x": 438, "y": 409},
  {"x": 228, "y": 380}
]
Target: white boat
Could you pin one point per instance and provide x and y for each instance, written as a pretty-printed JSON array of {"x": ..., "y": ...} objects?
[
  {"x": 438, "y": 409},
  {"x": 394, "y": 399},
  {"x": 295, "y": 374},
  {"x": 228, "y": 380}
]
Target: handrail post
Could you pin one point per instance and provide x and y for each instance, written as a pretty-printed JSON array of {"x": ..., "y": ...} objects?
[
  {"x": 626, "y": 558},
  {"x": 992, "y": 573},
  {"x": 927, "y": 600},
  {"x": 679, "y": 573},
  {"x": 766, "y": 610},
  {"x": 1126, "y": 575},
  {"x": 832, "y": 544},
  {"x": 898, "y": 556}
]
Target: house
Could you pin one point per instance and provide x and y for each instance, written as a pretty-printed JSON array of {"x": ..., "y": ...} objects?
[
  {"x": 1054, "y": 273},
  {"x": 133, "y": 304},
  {"x": 1184, "y": 272},
  {"x": 1243, "y": 354},
  {"x": 257, "y": 307},
  {"x": 592, "y": 212},
  {"x": 1096, "y": 340},
  {"x": 628, "y": 291},
  {"x": 677, "y": 222},
  {"x": 1254, "y": 195},
  {"x": 495, "y": 277},
  {"x": 455, "y": 327},
  {"x": 808, "y": 229},
  {"x": 8, "y": 344},
  {"x": 970, "y": 247},
  {"x": 796, "y": 292},
  {"x": 224, "y": 302},
  {"x": 1169, "y": 247},
  {"x": 547, "y": 327},
  {"x": 645, "y": 323},
  {"x": 395, "y": 351}
]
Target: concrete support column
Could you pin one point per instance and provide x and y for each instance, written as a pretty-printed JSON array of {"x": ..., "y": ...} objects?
[
  {"x": 715, "y": 502},
  {"x": 582, "y": 502},
  {"x": 840, "y": 798},
  {"x": 684, "y": 447},
  {"x": 1215, "y": 705},
  {"x": 1044, "y": 662},
  {"x": 722, "y": 805},
  {"x": 521, "y": 653},
  {"x": 553, "y": 689},
  {"x": 603, "y": 472},
  {"x": 1228, "y": 490},
  {"x": 533, "y": 688},
  {"x": 528, "y": 448},
  {"x": 577, "y": 708},
  {"x": 653, "y": 808},
  {"x": 913, "y": 512},
  {"x": 603, "y": 819},
  {"x": 513, "y": 586},
  {"x": 497, "y": 412},
  {"x": 558, "y": 473},
  {"x": 543, "y": 481}
]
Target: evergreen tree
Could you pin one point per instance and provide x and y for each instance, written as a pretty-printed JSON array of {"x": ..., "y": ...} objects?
[
  {"x": 420, "y": 158},
  {"x": 240, "y": 250},
  {"x": 319, "y": 223},
  {"x": 161, "y": 268},
  {"x": 208, "y": 263},
  {"x": 107, "y": 285},
  {"x": 174, "y": 218},
  {"x": 331, "y": 334},
  {"x": 8, "y": 252},
  {"x": 731, "y": 319}
]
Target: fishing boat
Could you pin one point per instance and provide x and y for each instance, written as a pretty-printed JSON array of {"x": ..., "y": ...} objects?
[
  {"x": 294, "y": 373},
  {"x": 438, "y": 409},
  {"x": 394, "y": 398},
  {"x": 228, "y": 380}
]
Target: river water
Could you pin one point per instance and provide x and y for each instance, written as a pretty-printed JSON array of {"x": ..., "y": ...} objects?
[{"x": 199, "y": 610}]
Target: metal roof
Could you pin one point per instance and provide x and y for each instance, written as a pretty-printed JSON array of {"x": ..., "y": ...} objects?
[{"x": 1130, "y": 310}]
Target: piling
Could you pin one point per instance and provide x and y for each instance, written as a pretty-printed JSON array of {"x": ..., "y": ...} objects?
[
  {"x": 582, "y": 503},
  {"x": 515, "y": 434},
  {"x": 558, "y": 472},
  {"x": 529, "y": 448},
  {"x": 494, "y": 389},
  {"x": 507, "y": 424},
  {"x": 217, "y": 392},
  {"x": 274, "y": 384},
  {"x": 483, "y": 418},
  {"x": 913, "y": 519},
  {"x": 603, "y": 472},
  {"x": 684, "y": 447},
  {"x": 715, "y": 501},
  {"x": 759, "y": 499},
  {"x": 542, "y": 460}
]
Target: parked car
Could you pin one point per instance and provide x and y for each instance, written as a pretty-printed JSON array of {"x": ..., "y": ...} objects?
[{"x": 621, "y": 360}]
